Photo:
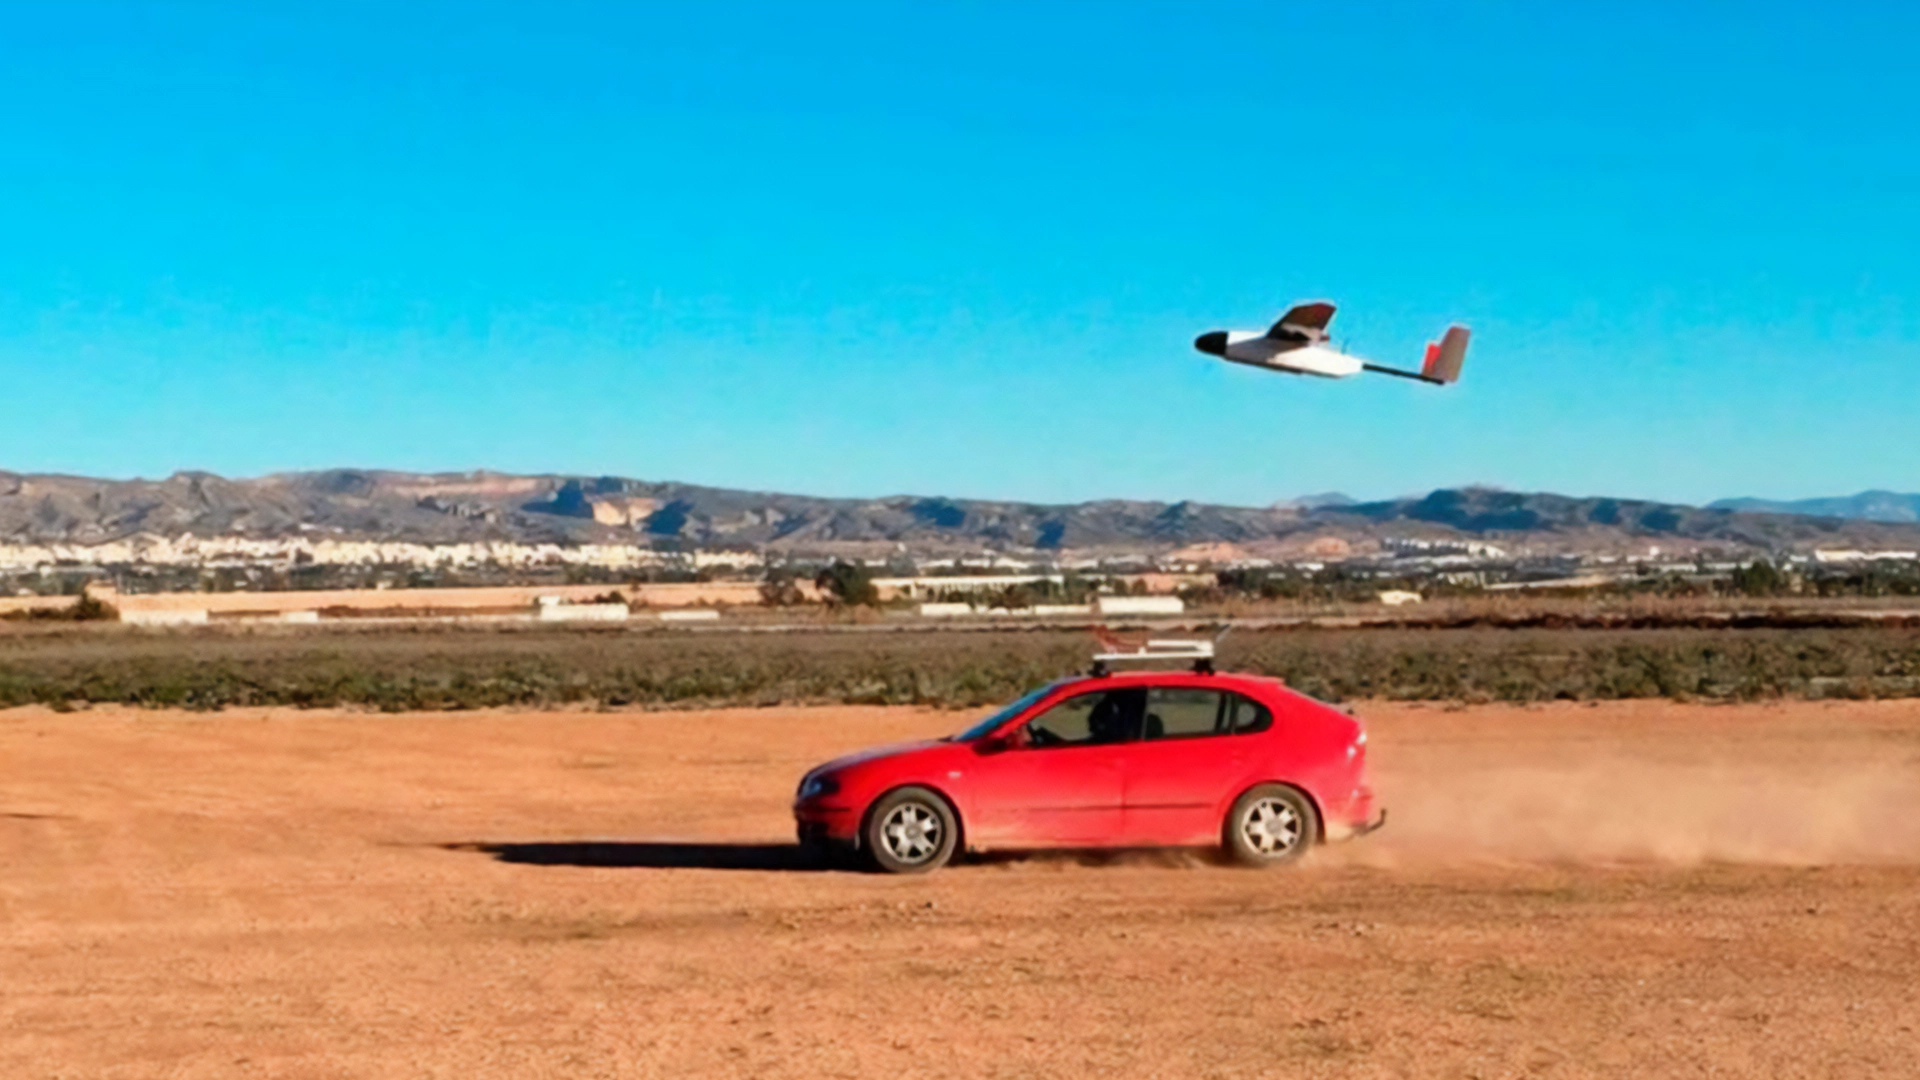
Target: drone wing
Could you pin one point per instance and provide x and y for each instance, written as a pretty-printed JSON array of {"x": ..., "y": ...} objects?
[{"x": 1303, "y": 323}]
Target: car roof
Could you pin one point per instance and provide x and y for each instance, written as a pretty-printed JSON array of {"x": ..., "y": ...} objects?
[
  {"x": 1261, "y": 687},
  {"x": 1266, "y": 688},
  {"x": 1183, "y": 676}
]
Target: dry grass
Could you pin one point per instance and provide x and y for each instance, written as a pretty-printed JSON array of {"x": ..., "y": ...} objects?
[{"x": 453, "y": 669}]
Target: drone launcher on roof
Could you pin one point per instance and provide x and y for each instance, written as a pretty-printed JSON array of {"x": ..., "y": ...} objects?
[{"x": 1116, "y": 650}]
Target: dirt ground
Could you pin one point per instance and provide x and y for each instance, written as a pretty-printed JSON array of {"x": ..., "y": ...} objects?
[{"x": 1640, "y": 889}]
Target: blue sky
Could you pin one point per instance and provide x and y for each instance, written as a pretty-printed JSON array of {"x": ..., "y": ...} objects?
[{"x": 963, "y": 249}]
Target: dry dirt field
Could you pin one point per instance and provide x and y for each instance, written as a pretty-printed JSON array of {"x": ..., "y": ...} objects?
[{"x": 1631, "y": 889}]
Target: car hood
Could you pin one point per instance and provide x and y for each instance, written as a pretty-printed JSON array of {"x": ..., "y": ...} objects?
[{"x": 875, "y": 753}]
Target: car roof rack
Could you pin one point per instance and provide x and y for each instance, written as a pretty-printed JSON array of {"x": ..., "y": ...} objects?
[{"x": 1152, "y": 651}]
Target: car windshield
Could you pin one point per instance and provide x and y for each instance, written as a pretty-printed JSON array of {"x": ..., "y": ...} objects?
[{"x": 981, "y": 729}]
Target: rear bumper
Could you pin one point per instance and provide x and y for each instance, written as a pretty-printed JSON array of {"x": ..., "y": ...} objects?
[
  {"x": 1371, "y": 826},
  {"x": 1357, "y": 817}
]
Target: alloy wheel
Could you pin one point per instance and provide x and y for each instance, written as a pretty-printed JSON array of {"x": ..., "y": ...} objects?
[
  {"x": 1270, "y": 827},
  {"x": 912, "y": 833}
]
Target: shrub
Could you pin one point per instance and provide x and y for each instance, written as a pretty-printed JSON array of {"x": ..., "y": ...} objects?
[
  {"x": 848, "y": 585},
  {"x": 85, "y": 608},
  {"x": 781, "y": 590}
]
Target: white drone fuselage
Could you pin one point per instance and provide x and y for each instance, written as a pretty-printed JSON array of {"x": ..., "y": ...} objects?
[
  {"x": 1299, "y": 345},
  {"x": 1256, "y": 348}
]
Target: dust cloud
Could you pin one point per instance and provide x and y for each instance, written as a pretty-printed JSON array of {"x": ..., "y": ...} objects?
[
  {"x": 1673, "y": 788},
  {"x": 1622, "y": 810}
]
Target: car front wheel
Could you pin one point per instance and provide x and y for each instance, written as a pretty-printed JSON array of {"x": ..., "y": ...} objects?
[
  {"x": 911, "y": 830},
  {"x": 1270, "y": 825}
]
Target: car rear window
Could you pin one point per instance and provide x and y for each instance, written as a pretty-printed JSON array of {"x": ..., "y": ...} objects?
[
  {"x": 1246, "y": 716},
  {"x": 1188, "y": 712},
  {"x": 1178, "y": 712}
]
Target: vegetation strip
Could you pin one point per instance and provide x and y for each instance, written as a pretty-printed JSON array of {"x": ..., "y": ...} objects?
[{"x": 424, "y": 669}]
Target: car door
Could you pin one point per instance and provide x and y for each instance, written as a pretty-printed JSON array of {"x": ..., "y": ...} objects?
[
  {"x": 1057, "y": 782},
  {"x": 1187, "y": 762}
]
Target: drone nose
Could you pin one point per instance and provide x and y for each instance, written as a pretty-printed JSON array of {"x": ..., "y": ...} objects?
[{"x": 1213, "y": 344}]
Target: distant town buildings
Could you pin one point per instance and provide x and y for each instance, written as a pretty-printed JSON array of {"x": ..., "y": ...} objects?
[
  {"x": 150, "y": 550},
  {"x": 1396, "y": 569},
  {"x": 1850, "y": 556}
]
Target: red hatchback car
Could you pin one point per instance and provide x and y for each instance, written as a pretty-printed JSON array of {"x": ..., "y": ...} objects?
[{"x": 1140, "y": 759}]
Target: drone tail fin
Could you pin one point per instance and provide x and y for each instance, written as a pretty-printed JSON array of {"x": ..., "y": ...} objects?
[{"x": 1445, "y": 356}]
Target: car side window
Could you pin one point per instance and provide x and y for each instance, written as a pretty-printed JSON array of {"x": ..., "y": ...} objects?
[
  {"x": 1105, "y": 716},
  {"x": 1178, "y": 712},
  {"x": 1244, "y": 716}
]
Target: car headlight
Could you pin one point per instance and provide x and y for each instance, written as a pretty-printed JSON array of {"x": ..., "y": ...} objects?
[{"x": 815, "y": 786}]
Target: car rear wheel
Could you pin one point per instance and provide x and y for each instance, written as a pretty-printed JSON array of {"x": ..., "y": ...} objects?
[
  {"x": 1270, "y": 825},
  {"x": 910, "y": 831}
]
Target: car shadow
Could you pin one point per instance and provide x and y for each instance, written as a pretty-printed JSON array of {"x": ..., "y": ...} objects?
[
  {"x": 1173, "y": 858},
  {"x": 792, "y": 858},
  {"x": 654, "y": 855}
]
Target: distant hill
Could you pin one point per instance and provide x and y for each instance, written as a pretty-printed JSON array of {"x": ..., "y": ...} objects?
[
  {"x": 1866, "y": 506},
  {"x": 1315, "y": 502},
  {"x": 455, "y": 507}
]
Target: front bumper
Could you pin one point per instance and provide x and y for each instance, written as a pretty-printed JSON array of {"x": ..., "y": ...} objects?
[{"x": 826, "y": 826}]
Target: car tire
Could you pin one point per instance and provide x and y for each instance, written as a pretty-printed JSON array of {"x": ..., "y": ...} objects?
[
  {"x": 910, "y": 830},
  {"x": 1271, "y": 825}
]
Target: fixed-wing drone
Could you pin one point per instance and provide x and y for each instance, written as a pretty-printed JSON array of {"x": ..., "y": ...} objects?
[{"x": 1298, "y": 345}]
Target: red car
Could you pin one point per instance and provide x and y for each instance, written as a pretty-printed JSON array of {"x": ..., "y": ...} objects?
[{"x": 1139, "y": 759}]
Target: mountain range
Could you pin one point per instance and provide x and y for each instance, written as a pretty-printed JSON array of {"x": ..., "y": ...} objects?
[
  {"x": 456, "y": 507},
  {"x": 1866, "y": 506}
]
